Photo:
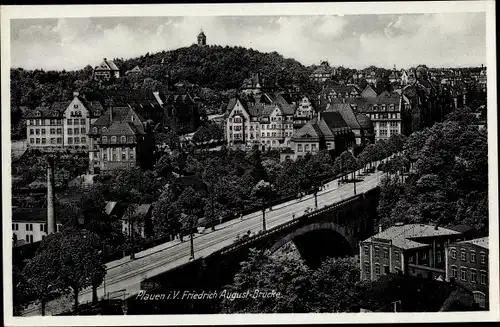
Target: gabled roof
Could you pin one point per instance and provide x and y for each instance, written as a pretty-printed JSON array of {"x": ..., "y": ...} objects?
[
  {"x": 136, "y": 69},
  {"x": 334, "y": 120},
  {"x": 368, "y": 92},
  {"x": 120, "y": 128},
  {"x": 481, "y": 242},
  {"x": 107, "y": 65},
  {"x": 347, "y": 114}
]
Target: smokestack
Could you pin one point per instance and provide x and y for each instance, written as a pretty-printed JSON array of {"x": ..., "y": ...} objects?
[{"x": 51, "y": 221}]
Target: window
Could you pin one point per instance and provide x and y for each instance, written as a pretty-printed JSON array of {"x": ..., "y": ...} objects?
[
  {"x": 386, "y": 254},
  {"x": 396, "y": 255},
  {"x": 83, "y": 140},
  {"x": 76, "y": 131},
  {"x": 454, "y": 272},
  {"x": 306, "y": 147},
  {"x": 29, "y": 238},
  {"x": 113, "y": 139},
  {"x": 52, "y": 131},
  {"x": 59, "y": 131},
  {"x": 75, "y": 106},
  {"x": 367, "y": 268},
  {"x": 299, "y": 147},
  {"x": 70, "y": 122},
  {"x": 37, "y": 140},
  {"x": 124, "y": 154},
  {"x": 123, "y": 139},
  {"x": 53, "y": 140},
  {"x": 82, "y": 121},
  {"x": 453, "y": 253},
  {"x": 463, "y": 274},
  {"x": 104, "y": 139},
  {"x": 483, "y": 258},
  {"x": 463, "y": 255},
  {"x": 438, "y": 256},
  {"x": 483, "y": 277},
  {"x": 472, "y": 256},
  {"x": 32, "y": 141},
  {"x": 59, "y": 140},
  {"x": 29, "y": 227},
  {"x": 15, "y": 226},
  {"x": 377, "y": 252},
  {"x": 37, "y": 131},
  {"x": 367, "y": 250},
  {"x": 70, "y": 131},
  {"x": 32, "y": 131},
  {"x": 77, "y": 140},
  {"x": 131, "y": 154},
  {"x": 104, "y": 157},
  {"x": 42, "y": 228},
  {"x": 377, "y": 270},
  {"x": 58, "y": 227},
  {"x": 70, "y": 140},
  {"x": 480, "y": 299},
  {"x": 424, "y": 255},
  {"x": 83, "y": 130},
  {"x": 473, "y": 277}
]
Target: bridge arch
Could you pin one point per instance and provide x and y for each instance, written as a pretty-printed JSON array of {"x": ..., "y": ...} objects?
[{"x": 337, "y": 237}]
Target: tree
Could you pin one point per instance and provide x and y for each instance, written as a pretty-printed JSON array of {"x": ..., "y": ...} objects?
[
  {"x": 81, "y": 263},
  {"x": 336, "y": 286},
  {"x": 391, "y": 190},
  {"x": 191, "y": 205},
  {"x": 263, "y": 190},
  {"x": 345, "y": 163},
  {"x": 42, "y": 273},
  {"x": 166, "y": 215},
  {"x": 210, "y": 176},
  {"x": 286, "y": 275}
]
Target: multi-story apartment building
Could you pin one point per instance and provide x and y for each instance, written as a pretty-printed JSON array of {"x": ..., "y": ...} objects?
[
  {"x": 360, "y": 125},
  {"x": 467, "y": 265},
  {"x": 106, "y": 70},
  {"x": 323, "y": 73},
  {"x": 30, "y": 224},
  {"x": 411, "y": 249},
  {"x": 270, "y": 126},
  {"x": 304, "y": 113},
  {"x": 62, "y": 125},
  {"x": 384, "y": 111},
  {"x": 120, "y": 139},
  {"x": 333, "y": 91}
]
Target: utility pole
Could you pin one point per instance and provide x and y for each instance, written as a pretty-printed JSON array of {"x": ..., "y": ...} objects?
[
  {"x": 263, "y": 214},
  {"x": 191, "y": 225}
]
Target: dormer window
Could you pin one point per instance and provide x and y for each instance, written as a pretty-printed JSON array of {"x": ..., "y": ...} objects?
[
  {"x": 75, "y": 106},
  {"x": 104, "y": 129},
  {"x": 94, "y": 129},
  {"x": 104, "y": 139},
  {"x": 113, "y": 139},
  {"x": 132, "y": 118},
  {"x": 123, "y": 139}
]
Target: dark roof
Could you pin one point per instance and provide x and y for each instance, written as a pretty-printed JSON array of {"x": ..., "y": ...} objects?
[
  {"x": 334, "y": 120},
  {"x": 29, "y": 215},
  {"x": 191, "y": 180},
  {"x": 364, "y": 121},
  {"x": 347, "y": 114}
]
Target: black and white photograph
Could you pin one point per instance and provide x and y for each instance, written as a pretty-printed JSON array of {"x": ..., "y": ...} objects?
[{"x": 318, "y": 162}]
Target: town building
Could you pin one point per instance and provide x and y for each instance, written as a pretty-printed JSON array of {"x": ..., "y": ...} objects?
[
  {"x": 256, "y": 85},
  {"x": 411, "y": 249},
  {"x": 134, "y": 71},
  {"x": 269, "y": 126},
  {"x": 304, "y": 113},
  {"x": 360, "y": 124},
  {"x": 323, "y": 73},
  {"x": 202, "y": 39},
  {"x": 137, "y": 218},
  {"x": 368, "y": 92},
  {"x": 329, "y": 131},
  {"x": 29, "y": 225},
  {"x": 62, "y": 125},
  {"x": 331, "y": 91},
  {"x": 106, "y": 70},
  {"x": 180, "y": 111},
  {"x": 120, "y": 139},
  {"x": 467, "y": 265}
]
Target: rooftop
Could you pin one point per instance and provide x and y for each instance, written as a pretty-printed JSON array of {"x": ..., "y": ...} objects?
[
  {"x": 406, "y": 236},
  {"x": 481, "y": 242}
]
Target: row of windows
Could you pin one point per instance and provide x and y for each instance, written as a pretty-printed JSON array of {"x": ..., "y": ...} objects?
[
  {"x": 76, "y": 121},
  {"x": 72, "y": 131},
  {"x": 72, "y": 140},
  {"x": 39, "y": 122},
  {"x": 377, "y": 269},
  {"x": 272, "y": 126},
  {"x": 471, "y": 276},
  {"x": 43, "y": 140},
  {"x": 306, "y": 147},
  {"x": 115, "y": 156},
  {"x": 472, "y": 255},
  {"x": 113, "y": 139},
  {"x": 385, "y": 133}
]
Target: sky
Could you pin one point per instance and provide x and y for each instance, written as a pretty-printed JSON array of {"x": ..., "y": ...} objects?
[{"x": 356, "y": 41}]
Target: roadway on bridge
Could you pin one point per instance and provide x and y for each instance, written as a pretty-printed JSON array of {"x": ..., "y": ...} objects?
[{"x": 127, "y": 274}]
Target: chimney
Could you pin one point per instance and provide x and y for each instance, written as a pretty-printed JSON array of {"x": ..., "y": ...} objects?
[
  {"x": 51, "y": 221},
  {"x": 380, "y": 228},
  {"x": 76, "y": 93},
  {"x": 436, "y": 227}
]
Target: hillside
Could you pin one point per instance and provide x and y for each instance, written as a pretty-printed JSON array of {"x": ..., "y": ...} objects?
[{"x": 215, "y": 67}]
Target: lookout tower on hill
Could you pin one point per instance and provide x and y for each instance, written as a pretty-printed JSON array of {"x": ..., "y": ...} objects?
[{"x": 202, "y": 39}]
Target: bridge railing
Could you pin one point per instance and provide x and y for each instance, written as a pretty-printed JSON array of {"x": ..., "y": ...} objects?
[{"x": 315, "y": 213}]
